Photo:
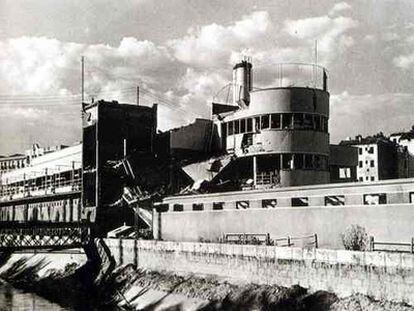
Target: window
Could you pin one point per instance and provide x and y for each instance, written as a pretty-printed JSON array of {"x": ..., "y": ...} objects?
[
  {"x": 360, "y": 164},
  {"x": 236, "y": 127},
  {"x": 317, "y": 121},
  {"x": 218, "y": 205},
  {"x": 286, "y": 161},
  {"x": 269, "y": 203},
  {"x": 287, "y": 121},
  {"x": 302, "y": 201},
  {"x": 162, "y": 208},
  {"x": 298, "y": 161},
  {"x": 375, "y": 199},
  {"x": 361, "y": 179},
  {"x": 360, "y": 150},
  {"x": 298, "y": 121},
  {"x": 257, "y": 123},
  {"x": 243, "y": 126},
  {"x": 333, "y": 200},
  {"x": 231, "y": 129},
  {"x": 265, "y": 122},
  {"x": 308, "y": 122},
  {"x": 344, "y": 172},
  {"x": 242, "y": 204},
  {"x": 275, "y": 121},
  {"x": 371, "y": 150},
  {"x": 178, "y": 207},
  {"x": 308, "y": 161},
  {"x": 317, "y": 162},
  {"x": 324, "y": 161},
  {"x": 198, "y": 206},
  {"x": 325, "y": 124},
  {"x": 372, "y": 178},
  {"x": 249, "y": 125},
  {"x": 372, "y": 163}
]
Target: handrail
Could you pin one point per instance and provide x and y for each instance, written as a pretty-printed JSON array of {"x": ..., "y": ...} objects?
[
  {"x": 257, "y": 238},
  {"x": 373, "y": 243}
]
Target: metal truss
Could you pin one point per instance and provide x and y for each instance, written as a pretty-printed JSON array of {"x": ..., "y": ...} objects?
[{"x": 53, "y": 236}]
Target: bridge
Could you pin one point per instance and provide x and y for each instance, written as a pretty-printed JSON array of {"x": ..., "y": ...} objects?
[
  {"x": 44, "y": 236},
  {"x": 42, "y": 211}
]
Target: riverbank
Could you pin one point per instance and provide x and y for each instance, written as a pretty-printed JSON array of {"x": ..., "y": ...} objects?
[
  {"x": 148, "y": 290},
  {"x": 70, "y": 281},
  {"x": 63, "y": 278}
]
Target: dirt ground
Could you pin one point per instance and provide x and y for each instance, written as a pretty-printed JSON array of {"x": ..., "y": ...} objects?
[
  {"x": 221, "y": 295},
  {"x": 127, "y": 288}
]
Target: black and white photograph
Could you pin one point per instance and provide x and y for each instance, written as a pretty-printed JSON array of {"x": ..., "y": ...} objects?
[{"x": 193, "y": 155}]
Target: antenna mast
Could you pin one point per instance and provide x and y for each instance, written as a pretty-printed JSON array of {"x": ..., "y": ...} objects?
[
  {"x": 315, "y": 67},
  {"x": 83, "y": 78}
]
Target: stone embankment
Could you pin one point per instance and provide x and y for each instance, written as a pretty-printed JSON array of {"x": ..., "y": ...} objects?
[{"x": 70, "y": 280}]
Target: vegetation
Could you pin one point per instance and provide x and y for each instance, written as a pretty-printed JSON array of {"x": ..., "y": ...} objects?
[{"x": 355, "y": 238}]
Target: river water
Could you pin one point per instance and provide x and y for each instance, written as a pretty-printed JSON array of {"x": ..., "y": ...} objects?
[{"x": 14, "y": 299}]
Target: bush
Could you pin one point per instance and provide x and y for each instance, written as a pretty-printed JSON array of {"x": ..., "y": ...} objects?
[{"x": 355, "y": 238}]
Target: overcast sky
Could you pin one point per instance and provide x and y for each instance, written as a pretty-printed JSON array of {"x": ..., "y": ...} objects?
[{"x": 183, "y": 51}]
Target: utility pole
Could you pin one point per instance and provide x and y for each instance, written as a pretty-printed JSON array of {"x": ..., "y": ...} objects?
[
  {"x": 138, "y": 95},
  {"x": 315, "y": 70},
  {"x": 83, "y": 78}
]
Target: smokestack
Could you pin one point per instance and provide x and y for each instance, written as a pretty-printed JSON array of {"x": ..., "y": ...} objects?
[{"x": 242, "y": 82}]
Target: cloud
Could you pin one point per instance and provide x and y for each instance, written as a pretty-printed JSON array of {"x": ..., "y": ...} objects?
[
  {"x": 40, "y": 65},
  {"x": 339, "y": 7},
  {"x": 368, "y": 114},
  {"x": 41, "y": 81},
  {"x": 30, "y": 113},
  {"x": 212, "y": 45},
  {"x": 330, "y": 32},
  {"x": 404, "y": 61}
]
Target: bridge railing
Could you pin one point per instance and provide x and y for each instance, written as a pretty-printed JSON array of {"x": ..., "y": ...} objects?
[
  {"x": 46, "y": 236},
  {"x": 30, "y": 188}
]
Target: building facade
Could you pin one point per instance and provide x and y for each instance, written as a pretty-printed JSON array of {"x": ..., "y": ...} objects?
[
  {"x": 111, "y": 131},
  {"x": 380, "y": 158},
  {"x": 405, "y": 139},
  {"x": 12, "y": 162},
  {"x": 279, "y": 135}
]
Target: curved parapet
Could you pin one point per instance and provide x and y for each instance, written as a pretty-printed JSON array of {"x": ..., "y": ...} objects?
[
  {"x": 286, "y": 130},
  {"x": 289, "y": 99}
]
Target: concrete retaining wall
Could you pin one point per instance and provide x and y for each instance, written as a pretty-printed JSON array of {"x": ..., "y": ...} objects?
[
  {"x": 387, "y": 276},
  {"x": 391, "y": 222}
]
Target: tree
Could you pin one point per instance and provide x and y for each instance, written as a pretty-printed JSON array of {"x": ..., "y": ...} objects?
[{"x": 355, "y": 238}]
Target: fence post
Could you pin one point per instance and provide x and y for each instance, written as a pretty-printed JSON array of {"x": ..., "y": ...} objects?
[
  {"x": 412, "y": 245},
  {"x": 288, "y": 241},
  {"x": 316, "y": 240},
  {"x": 371, "y": 244},
  {"x": 268, "y": 239}
]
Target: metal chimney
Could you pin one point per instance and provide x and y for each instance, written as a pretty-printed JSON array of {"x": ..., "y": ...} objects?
[{"x": 242, "y": 82}]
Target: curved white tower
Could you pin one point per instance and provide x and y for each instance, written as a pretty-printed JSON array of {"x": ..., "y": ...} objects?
[
  {"x": 242, "y": 83},
  {"x": 280, "y": 136}
]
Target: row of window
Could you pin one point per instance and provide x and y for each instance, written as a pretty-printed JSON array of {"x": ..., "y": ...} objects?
[
  {"x": 371, "y": 163},
  {"x": 330, "y": 200},
  {"x": 369, "y": 150},
  {"x": 301, "y": 161},
  {"x": 278, "y": 121},
  {"x": 13, "y": 164},
  {"x": 367, "y": 178}
]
